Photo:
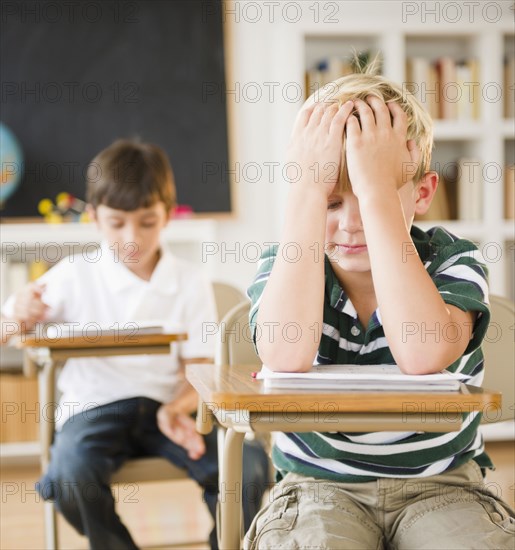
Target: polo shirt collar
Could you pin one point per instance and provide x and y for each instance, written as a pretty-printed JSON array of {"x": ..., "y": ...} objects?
[
  {"x": 120, "y": 278},
  {"x": 337, "y": 297},
  {"x": 340, "y": 301},
  {"x": 165, "y": 278}
]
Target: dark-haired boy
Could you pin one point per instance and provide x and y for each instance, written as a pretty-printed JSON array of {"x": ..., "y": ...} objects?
[{"x": 116, "y": 408}]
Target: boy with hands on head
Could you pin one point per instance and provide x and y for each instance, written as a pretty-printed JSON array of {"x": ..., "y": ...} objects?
[{"x": 348, "y": 490}]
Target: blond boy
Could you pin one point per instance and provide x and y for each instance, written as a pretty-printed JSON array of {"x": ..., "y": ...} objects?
[{"x": 366, "y": 275}]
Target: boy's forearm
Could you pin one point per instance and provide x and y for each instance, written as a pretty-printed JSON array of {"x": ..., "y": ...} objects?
[
  {"x": 186, "y": 398},
  {"x": 291, "y": 309},
  {"x": 410, "y": 305}
]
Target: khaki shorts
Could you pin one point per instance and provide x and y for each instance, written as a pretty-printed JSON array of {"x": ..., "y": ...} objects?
[{"x": 448, "y": 511}]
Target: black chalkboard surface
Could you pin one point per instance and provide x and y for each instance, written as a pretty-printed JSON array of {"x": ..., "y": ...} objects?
[{"x": 78, "y": 75}]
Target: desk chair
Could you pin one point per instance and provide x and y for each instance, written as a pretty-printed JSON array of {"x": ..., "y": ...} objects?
[
  {"x": 235, "y": 347},
  {"x": 140, "y": 470},
  {"x": 499, "y": 352}
]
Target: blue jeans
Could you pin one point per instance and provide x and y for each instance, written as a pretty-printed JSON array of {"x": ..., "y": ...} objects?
[{"x": 93, "y": 445}]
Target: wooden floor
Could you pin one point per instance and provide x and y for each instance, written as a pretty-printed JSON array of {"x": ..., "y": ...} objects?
[{"x": 158, "y": 515}]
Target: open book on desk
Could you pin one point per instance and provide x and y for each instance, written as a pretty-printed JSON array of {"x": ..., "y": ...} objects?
[
  {"x": 360, "y": 377},
  {"x": 53, "y": 331}
]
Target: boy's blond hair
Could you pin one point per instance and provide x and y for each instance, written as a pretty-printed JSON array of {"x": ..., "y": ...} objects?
[{"x": 359, "y": 86}]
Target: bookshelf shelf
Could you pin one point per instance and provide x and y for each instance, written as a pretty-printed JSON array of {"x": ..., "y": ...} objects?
[
  {"x": 458, "y": 130},
  {"x": 508, "y": 128},
  {"x": 472, "y": 230}
]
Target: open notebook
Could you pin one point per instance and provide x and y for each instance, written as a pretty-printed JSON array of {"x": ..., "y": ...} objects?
[
  {"x": 361, "y": 377},
  {"x": 88, "y": 330}
]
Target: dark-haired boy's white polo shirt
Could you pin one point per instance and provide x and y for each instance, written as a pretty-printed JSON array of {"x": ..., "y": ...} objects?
[{"x": 94, "y": 288}]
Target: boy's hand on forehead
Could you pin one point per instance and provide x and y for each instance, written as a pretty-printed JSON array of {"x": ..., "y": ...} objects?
[
  {"x": 316, "y": 145},
  {"x": 377, "y": 153}
]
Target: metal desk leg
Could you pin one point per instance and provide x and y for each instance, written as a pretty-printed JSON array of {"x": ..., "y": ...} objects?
[
  {"x": 48, "y": 406},
  {"x": 229, "y": 520}
]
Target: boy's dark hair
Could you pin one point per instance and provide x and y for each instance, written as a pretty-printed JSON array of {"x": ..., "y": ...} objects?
[{"x": 129, "y": 175}]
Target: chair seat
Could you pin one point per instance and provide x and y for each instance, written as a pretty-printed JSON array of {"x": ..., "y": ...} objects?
[{"x": 148, "y": 469}]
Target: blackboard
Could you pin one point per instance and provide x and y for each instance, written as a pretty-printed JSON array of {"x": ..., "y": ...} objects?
[{"x": 78, "y": 75}]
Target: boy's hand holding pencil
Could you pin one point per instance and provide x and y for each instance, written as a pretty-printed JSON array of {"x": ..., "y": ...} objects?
[{"x": 29, "y": 307}]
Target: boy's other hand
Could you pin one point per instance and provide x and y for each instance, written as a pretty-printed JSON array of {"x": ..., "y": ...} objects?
[
  {"x": 378, "y": 155},
  {"x": 316, "y": 144},
  {"x": 180, "y": 428},
  {"x": 29, "y": 307}
]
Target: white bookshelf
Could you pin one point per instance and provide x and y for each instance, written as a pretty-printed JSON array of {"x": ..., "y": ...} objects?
[{"x": 379, "y": 26}]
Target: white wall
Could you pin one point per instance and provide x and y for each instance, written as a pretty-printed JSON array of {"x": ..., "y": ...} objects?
[{"x": 255, "y": 218}]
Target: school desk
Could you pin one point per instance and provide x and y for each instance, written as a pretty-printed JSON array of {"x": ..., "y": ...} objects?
[
  {"x": 241, "y": 404},
  {"x": 46, "y": 355}
]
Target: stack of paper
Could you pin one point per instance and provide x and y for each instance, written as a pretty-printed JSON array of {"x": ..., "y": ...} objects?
[
  {"x": 361, "y": 377},
  {"x": 92, "y": 330}
]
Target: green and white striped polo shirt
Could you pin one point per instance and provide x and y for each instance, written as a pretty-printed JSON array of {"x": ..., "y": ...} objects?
[{"x": 458, "y": 271}]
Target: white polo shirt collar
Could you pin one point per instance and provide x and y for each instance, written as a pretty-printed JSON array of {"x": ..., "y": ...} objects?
[{"x": 119, "y": 278}]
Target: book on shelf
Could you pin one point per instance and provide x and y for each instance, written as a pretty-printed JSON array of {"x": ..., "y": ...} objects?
[
  {"x": 54, "y": 331},
  {"x": 360, "y": 377},
  {"x": 447, "y": 88},
  {"x": 509, "y": 192},
  {"x": 333, "y": 67},
  {"x": 422, "y": 82},
  {"x": 467, "y": 80},
  {"x": 469, "y": 189},
  {"x": 446, "y": 68},
  {"x": 475, "y": 93},
  {"x": 509, "y": 86}
]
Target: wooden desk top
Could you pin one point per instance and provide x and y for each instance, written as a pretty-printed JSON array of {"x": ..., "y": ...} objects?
[
  {"x": 233, "y": 388},
  {"x": 105, "y": 341}
]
